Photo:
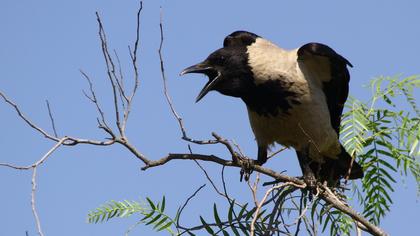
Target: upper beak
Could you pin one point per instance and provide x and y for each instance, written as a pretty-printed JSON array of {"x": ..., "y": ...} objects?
[
  {"x": 198, "y": 68},
  {"x": 208, "y": 70}
]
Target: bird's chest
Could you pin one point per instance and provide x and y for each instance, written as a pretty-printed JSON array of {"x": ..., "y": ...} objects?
[
  {"x": 276, "y": 96},
  {"x": 275, "y": 109},
  {"x": 304, "y": 124},
  {"x": 282, "y": 128}
]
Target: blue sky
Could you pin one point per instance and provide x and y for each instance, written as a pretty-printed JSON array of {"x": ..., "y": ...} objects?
[{"x": 43, "y": 45}]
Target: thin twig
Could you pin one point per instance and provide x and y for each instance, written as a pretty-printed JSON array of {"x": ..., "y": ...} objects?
[
  {"x": 168, "y": 98},
  {"x": 209, "y": 179},
  {"x": 257, "y": 211},
  {"x": 38, "y": 222},
  {"x": 119, "y": 78},
  {"x": 328, "y": 196},
  {"x": 269, "y": 156},
  {"x": 95, "y": 101},
  {"x": 121, "y": 81},
  {"x": 235, "y": 156},
  {"x": 110, "y": 72},
  {"x": 33, "y": 180},
  {"x": 165, "y": 87},
  {"x": 254, "y": 188},
  {"x": 51, "y": 118},
  {"x": 310, "y": 139},
  {"x": 133, "y": 55},
  {"x": 186, "y": 203},
  {"x": 301, "y": 214},
  {"x": 27, "y": 121},
  {"x": 40, "y": 161}
]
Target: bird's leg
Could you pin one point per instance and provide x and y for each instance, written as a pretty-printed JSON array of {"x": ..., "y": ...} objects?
[
  {"x": 308, "y": 174},
  {"x": 248, "y": 164},
  {"x": 262, "y": 155}
]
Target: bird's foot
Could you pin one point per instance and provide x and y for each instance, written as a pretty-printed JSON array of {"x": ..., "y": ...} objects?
[
  {"x": 309, "y": 179},
  {"x": 311, "y": 184},
  {"x": 247, "y": 167}
]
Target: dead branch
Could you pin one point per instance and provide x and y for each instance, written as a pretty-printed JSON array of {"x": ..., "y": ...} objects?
[
  {"x": 33, "y": 205},
  {"x": 51, "y": 118},
  {"x": 328, "y": 196},
  {"x": 260, "y": 204},
  {"x": 34, "y": 167}
]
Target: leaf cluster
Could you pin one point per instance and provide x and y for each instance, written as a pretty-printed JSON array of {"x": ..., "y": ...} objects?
[{"x": 153, "y": 214}]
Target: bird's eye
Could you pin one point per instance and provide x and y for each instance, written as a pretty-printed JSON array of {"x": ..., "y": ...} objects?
[{"x": 222, "y": 59}]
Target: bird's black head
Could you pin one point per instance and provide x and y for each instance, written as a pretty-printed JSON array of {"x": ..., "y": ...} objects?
[{"x": 227, "y": 68}]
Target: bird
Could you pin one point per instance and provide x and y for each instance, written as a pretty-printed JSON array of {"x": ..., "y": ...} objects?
[{"x": 293, "y": 97}]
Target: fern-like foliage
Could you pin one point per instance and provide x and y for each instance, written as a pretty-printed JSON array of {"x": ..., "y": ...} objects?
[
  {"x": 238, "y": 221},
  {"x": 385, "y": 138},
  {"x": 152, "y": 213},
  {"x": 354, "y": 127}
]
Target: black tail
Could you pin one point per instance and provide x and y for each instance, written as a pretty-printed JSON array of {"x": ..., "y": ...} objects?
[{"x": 335, "y": 169}]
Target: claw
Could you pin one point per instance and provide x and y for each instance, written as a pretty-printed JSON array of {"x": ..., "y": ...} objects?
[{"x": 247, "y": 167}]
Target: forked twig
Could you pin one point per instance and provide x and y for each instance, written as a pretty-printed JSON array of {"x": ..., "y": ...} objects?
[{"x": 261, "y": 203}]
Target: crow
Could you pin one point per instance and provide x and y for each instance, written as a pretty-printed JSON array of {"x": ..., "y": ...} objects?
[{"x": 294, "y": 98}]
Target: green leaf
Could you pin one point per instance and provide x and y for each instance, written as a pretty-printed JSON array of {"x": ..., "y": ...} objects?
[
  {"x": 151, "y": 204},
  {"x": 162, "y": 207},
  {"x": 243, "y": 228},
  {"x": 216, "y": 216},
  {"x": 147, "y": 216},
  {"x": 206, "y": 226},
  {"x": 230, "y": 212},
  {"x": 241, "y": 213},
  {"x": 154, "y": 219},
  {"x": 165, "y": 226},
  {"x": 158, "y": 224}
]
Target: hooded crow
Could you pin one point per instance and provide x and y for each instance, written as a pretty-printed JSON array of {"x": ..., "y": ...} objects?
[{"x": 293, "y": 97}]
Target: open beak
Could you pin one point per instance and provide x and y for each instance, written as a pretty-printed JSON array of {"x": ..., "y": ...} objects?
[{"x": 203, "y": 68}]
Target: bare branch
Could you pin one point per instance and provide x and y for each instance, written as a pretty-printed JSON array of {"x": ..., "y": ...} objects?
[
  {"x": 51, "y": 118},
  {"x": 257, "y": 211},
  {"x": 276, "y": 152},
  {"x": 27, "y": 121},
  {"x": 134, "y": 151},
  {"x": 168, "y": 98},
  {"x": 133, "y": 55},
  {"x": 94, "y": 100},
  {"x": 119, "y": 78},
  {"x": 186, "y": 203},
  {"x": 209, "y": 179},
  {"x": 110, "y": 72},
  {"x": 183, "y": 156},
  {"x": 33, "y": 180},
  {"x": 328, "y": 196},
  {"x": 38, "y": 222},
  {"x": 40, "y": 161},
  {"x": 310, "y": 139},
  {"x": 235, "y": 156},
  {"x": 254, "y": 188}
]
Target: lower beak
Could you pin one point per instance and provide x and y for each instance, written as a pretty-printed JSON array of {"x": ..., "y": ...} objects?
[{"x": 210, "y": 71}]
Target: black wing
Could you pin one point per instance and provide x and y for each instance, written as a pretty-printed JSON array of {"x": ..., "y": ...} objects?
[{"x": 331, "y": 69}]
